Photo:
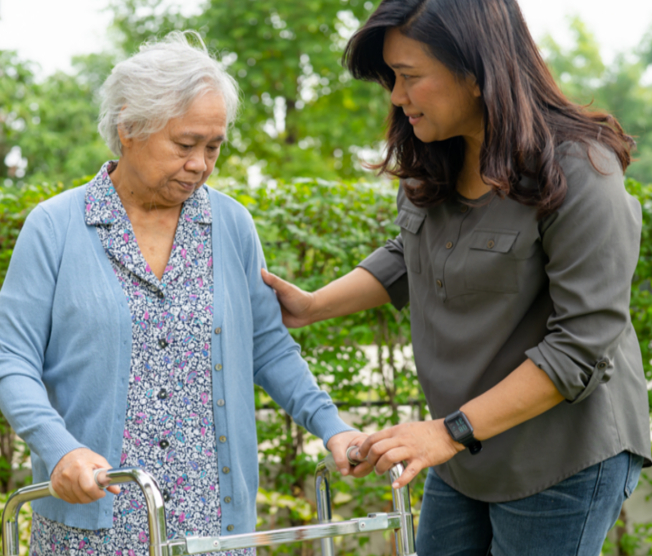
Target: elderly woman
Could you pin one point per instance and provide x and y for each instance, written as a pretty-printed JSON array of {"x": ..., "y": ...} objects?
[{"x": 134, "y": 324}]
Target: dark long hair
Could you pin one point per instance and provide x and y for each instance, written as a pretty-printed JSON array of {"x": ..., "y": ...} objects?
[{"x": 525, "y": 114}]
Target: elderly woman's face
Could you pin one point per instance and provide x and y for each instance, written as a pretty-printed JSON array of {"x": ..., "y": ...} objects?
[{"x": 168, "y": 166}]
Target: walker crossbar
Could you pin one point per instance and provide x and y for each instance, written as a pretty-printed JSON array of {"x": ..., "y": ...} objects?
[{"x": 400, "y": 520}]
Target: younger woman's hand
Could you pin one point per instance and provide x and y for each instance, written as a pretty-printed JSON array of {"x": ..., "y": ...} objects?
[
  {"x": 72, "y": 478},
  {"x": 296, "y": 304},
  {"x": 421, "y": 444}
]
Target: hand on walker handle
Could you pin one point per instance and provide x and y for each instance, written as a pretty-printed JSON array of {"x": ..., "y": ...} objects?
[
  {"x": 80, "y": 478},
  {"x": 340, "y": 446}
]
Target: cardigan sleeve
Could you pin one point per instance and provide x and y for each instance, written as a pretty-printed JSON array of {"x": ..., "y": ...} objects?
[
  {"x": 26, "y": 302},
  {"x": 278, "y": 365},
  {"x": 592, "y": 243}
]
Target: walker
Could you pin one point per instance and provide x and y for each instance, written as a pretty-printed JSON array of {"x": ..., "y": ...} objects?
[{"x": 400, "y": 520}]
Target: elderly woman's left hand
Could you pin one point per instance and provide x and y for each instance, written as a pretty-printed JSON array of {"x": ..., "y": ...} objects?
[
  {"x": 422, "y": 444},
  {"x": 338, "y": 445}
]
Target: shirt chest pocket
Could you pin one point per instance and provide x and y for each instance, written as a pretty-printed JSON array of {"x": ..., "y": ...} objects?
[
  {"x": 490, "y": 263},
  {"x": 411, "y": 223}
]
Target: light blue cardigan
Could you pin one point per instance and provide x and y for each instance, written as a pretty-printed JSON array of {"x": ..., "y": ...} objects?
[{"x": 65, "y": 348}]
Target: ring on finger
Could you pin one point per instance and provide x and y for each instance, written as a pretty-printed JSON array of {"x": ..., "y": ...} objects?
[{"x": 95, "y": 474}]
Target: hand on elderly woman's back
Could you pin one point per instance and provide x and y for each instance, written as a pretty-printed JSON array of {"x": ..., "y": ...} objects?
[{"x": 72, "y": 478}]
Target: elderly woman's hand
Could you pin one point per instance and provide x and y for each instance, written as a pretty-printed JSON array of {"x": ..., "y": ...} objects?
[
  {"x": 420, "y": 445},
  {"x": 72, "y": 478},
  {"x": 338, "y": 445}
]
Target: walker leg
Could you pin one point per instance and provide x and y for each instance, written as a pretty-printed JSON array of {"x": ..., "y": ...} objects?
[{"x": 324, "y": 508}]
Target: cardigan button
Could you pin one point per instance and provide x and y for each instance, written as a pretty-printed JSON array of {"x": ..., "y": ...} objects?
[
  {"x": 227, "y": 499},
  {"x": 230, "y": 527},
  {"x": 218, "y": 367},
  {"x": 218, "y": 330},
  {"x": 220, "y": 402},
  {"x": 222, "y": 439},
  {"x": 226, "y": 470}
]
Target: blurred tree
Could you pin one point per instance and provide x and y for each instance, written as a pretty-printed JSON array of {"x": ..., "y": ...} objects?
[
  {"x": 49, "y": 128},
  {"x": 302, "y": 114},
  {"x": 622, "y": 88}
]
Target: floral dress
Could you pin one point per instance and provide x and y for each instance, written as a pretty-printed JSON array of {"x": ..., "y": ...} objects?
[{"x": 169, "y": 428}]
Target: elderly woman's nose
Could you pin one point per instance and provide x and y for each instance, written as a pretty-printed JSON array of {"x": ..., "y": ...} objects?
[{"x": 197, "y": 161}]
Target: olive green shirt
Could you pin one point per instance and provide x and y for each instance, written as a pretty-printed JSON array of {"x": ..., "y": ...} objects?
[{"x": 489, "y": 285}]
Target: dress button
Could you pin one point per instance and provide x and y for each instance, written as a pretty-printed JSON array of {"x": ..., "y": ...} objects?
[
  {"x": 449, "y": 245},
  {"x": 229, "y": 527},
  {"x": 162, "y": 343},
  {"x": 162, "y": 394},
  {"x": 227, "y": 499},
  {"x": 490, "y": 244},
  {"x": 220, "y": 402},
  {"x": 218, "y": 367},
  {"x": 222, "y": 438},
  {"x": 218, "y": 330},
  {"x": 439, "y": 283},
  {"x": 226, "y": 470},
  {"x": 166, "y": 495},
  {"x": 164, "y": 444}
]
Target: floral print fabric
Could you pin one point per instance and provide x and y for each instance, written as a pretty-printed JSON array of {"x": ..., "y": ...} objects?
[{"x": 169, "y": 428}]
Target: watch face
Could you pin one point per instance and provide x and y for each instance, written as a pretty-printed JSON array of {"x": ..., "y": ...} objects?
[{"x": 458, "y": 427}]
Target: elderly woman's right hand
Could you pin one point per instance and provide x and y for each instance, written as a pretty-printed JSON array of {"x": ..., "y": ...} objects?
[{"x": 72, "y": 478}]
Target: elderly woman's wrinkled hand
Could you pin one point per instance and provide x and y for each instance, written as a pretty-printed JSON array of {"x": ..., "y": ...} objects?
[
  {"x": 72, "y": 478},
  {"x": 338, "y": 446}
]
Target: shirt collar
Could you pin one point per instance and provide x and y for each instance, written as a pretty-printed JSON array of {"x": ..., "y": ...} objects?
[{"x": 104, "y": 207}]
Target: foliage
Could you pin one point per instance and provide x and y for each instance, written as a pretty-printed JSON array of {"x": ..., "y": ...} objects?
[
  {"x": 302, "y": 114},
  {"x": 50, "y": 127},
  {"x": 314, "y": 231},
  {"x": 622, "y": 88}
]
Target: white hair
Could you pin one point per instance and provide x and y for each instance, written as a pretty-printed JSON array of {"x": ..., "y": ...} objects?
[{"x": 159, "y": 83}]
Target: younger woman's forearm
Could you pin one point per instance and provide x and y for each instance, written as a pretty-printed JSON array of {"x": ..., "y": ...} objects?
[{"x": 356, "y": 291}]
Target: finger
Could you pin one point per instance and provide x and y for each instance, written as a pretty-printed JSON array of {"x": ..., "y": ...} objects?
[
  {"x": 87, "y": 490},
  {"x": 378, "y": 449},
  {"x": 392, "y": 457},
  {"x": 363, "y": 452},
  {"x": 409, "y": 473},
  {"x": 270, "y": 279},
  {"x": 362, "y": 470},
  {"x": 339, "y": 455}
]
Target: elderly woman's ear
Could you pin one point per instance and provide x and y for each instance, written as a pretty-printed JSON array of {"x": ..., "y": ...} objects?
[{"x": 125, "y": 139}]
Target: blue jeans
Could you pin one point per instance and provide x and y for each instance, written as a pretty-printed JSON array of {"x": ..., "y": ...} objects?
[{"x": 571, "y": 518}]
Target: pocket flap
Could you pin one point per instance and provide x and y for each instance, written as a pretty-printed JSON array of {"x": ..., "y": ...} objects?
[
  {"x": 493, "y": 240},
  {"x": 410, "y": 221}
]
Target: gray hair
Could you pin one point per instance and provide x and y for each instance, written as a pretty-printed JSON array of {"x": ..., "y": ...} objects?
[{"x": 159, "y": 83}]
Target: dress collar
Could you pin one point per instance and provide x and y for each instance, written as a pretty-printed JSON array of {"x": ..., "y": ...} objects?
[{"x": 104, "y": 207}]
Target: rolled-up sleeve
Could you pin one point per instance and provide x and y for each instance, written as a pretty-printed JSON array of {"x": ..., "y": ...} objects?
[
  {"x": 592, "y": 244},
  {"x": 387, "y": 265}
]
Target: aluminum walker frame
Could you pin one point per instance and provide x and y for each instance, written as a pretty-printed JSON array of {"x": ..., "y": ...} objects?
[{"x": 400, "y": 520}]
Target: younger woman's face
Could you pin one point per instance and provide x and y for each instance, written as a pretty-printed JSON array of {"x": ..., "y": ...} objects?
[{"x": 438, "y": 103}]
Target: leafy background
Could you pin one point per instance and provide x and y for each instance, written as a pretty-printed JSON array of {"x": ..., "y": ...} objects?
[{"x": 294, "y": 160}]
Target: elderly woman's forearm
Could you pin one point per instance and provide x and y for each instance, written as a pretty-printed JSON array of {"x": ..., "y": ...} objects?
[{"x": 356, "y": 291}]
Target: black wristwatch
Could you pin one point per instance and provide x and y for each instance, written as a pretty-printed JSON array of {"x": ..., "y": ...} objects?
[{"x": 459, "y": 427}]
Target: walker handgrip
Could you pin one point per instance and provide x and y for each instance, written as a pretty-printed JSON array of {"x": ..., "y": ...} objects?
[{"x": 147, "y": 484}]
